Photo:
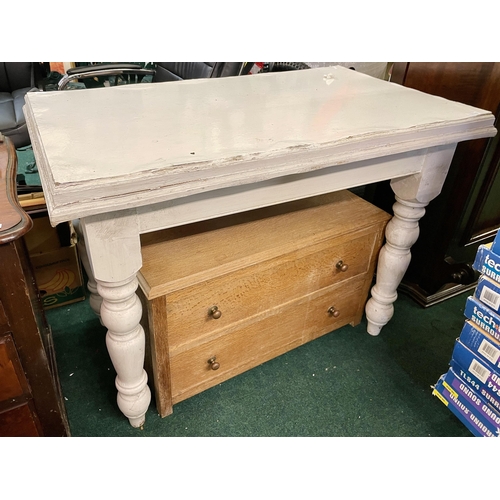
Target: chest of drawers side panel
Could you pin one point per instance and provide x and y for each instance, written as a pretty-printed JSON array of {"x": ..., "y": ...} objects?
[
  {"x": 157, "y": 356},
  {"x": 375, "y": 250}
]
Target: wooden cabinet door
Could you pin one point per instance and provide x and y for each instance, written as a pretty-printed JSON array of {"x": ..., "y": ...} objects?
[{"x": 17, "y": 418}]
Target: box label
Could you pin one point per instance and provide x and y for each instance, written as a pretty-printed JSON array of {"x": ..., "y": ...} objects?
[
  {"x": 488, "y": 292},
  {"x": 462, "y": 391},
  {"x": 487, "y": 262},
  {"x": 483, "y": 317},
  {"x": 467, "y": 415},
  {"x": 476, "y": 373},
  {"x": 481, "y": 344}
]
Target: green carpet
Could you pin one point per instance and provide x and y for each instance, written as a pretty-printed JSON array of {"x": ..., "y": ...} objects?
[{"x": 346, "y": 383}]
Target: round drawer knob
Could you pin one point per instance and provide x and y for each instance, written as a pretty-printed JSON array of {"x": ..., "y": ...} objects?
[
  {"x": 214, "y": 312},
  {"x": 334, "y": 312},
  {"x": 341, "y": 266},
  {"x": 213, "y": 364}
]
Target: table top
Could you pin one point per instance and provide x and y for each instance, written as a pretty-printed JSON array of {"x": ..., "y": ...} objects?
[{"x": 107, "y": 149}]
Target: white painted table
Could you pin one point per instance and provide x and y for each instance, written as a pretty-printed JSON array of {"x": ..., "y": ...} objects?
[{"x": 140, "y": 158}]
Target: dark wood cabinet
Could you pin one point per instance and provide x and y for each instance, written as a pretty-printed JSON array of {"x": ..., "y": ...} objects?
[
  {"x": 467, "y": 213},
  {"x": 30, "y": 398}
]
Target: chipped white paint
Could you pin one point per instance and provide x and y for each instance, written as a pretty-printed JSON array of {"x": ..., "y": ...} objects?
[
  {"x": 134, "y": 159},
  {"x": 329, "y": 78},
  {"x": 137, "y": 144}
]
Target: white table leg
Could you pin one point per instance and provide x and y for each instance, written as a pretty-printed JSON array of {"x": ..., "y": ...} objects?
[
  {"x": 121, "y": 311},
  {"x": 394, "y": 258},
  {"x": 413, "y": 194},
  {"x": 114, "y": 253}
]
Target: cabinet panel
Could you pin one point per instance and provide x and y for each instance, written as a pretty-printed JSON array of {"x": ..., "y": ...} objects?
[
  {"x": 19, "y": 422},
  {"x": 13, "y": 382},
  {"x": 30, "y": 398}
]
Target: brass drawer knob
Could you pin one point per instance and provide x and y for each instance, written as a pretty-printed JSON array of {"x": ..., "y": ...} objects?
[
  {"x": 213, "y": 364},
  {"x": 341, "y": 266},
  {"x": 214, "y": 312},
  {"x": 334, "y": 312}
]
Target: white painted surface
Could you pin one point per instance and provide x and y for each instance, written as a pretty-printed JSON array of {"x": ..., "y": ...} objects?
[{"x": 137, "y": 144}]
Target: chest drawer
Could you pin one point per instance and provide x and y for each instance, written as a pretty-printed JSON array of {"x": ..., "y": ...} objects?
[
  {"x": 272, "y": 333},
  {"x": 254, "y": 289},
  {"x": 223, "y": 296}
]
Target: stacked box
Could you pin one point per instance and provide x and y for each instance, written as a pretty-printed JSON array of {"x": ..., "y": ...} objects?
[
  {"x": 487, "y": 262},
  {"x": 471, "y": 387},
  {"x": 483, "y": 317},
  {"x": 478, "y": 374},
  {"x": 54, "y": 257},
  {"x": 473, "y": 410},
  {"x": 486, "y": 347}
]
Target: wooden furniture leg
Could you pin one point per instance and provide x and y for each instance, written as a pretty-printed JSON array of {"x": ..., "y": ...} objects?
[
  {"x": 413, "y": 194},
  {"x": 114, "y": 252}
]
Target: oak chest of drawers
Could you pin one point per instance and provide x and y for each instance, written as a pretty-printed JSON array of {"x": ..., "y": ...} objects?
[{"x": 223, "y": 296}]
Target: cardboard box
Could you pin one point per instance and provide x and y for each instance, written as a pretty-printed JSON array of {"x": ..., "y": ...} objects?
[
  {"x": 495, "y": 246},
  {"x": 481, "y": 344},
  {"x": 482, "y": 316},
  {"x": 488, "y": 292},
  {"x": 461, "y": 408},
  {"x": 55, "y": 262},
  {"x": 479, "y": 414},
  {"x": 487, "y": 262},
  {"x": 476, "y": 373}
]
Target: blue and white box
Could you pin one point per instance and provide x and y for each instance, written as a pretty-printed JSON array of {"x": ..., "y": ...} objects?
[
  {"x": 495, "y": 246},
  {"x": 488, "y": 292},
  {"x": 461, "y": 407},
  {"x": 481, "y": 344},
  {"x": 482, "y": 316},
  {"x": 487, "y": 262},
  {"x": 485, "y": 413},
  {"x": 476, "y": 373}
]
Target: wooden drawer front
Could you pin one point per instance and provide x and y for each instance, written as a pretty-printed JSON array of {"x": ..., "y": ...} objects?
[
  {"x": 255, "y": 289},
  {"x": 278, "y": 331},
  {"x": 19, "y": 422}
]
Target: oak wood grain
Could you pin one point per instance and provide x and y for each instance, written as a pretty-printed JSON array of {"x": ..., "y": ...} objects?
[
  {"x": 277, "y": 331},
  {"x": 272, "y": 273},
  {"x": 184, "y": 256}
]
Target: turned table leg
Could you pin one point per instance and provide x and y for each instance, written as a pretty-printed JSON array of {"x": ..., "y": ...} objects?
[
  {"x": 394, "y": 258},
  {"x": 413, "y": 194},
  {"x": 112, "y": 244},
  {"x": 121, "y": 311}
]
